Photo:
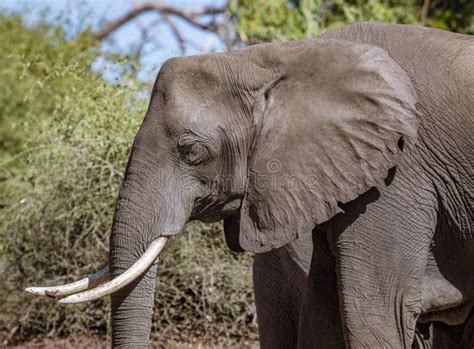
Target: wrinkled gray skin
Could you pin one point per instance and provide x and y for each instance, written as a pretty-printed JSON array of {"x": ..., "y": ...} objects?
[
  {"x": 280, "y": 283},
  {"x": 360, "y": 140}
]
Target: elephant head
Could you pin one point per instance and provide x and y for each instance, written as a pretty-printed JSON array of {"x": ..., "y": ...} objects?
[{"x": 269, "y": 138}]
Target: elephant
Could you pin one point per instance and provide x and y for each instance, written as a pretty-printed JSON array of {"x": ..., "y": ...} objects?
[{"x": 357, "y": 142}]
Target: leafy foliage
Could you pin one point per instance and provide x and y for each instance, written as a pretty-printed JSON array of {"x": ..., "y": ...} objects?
[
  {"x": 267, "y": 20},
  {"x": 68, "y": 134}
]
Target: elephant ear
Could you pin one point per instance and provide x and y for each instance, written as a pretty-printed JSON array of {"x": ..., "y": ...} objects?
[{"x": 330, "y": 127}]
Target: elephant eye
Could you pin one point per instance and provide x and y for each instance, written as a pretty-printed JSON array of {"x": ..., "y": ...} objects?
[{"x": 193, "y": 153}]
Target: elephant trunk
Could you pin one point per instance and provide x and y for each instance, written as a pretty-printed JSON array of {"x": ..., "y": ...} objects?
[
  {"x": 132, "y": 306},
  {"x": 144, "y": 215},
  {"x": 132, "y": 309}
]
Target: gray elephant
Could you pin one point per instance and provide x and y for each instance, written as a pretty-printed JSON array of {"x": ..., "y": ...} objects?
[{"x": 359, "y": 142}]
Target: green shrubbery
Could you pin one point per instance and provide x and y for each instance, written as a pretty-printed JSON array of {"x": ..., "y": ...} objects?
[
  {"x": 263, "y": 20},
  {"x": 65, "y": 137}
]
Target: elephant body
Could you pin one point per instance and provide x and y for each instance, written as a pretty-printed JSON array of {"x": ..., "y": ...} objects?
[
  {"x": 443, "y": 223},
  {"x": 431, "y": 197},
  {"x": 344, "y": 161},
  {"x": 280, "y": 283}
]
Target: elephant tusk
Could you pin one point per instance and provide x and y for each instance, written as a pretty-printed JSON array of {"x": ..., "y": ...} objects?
[
  {"x": 140, "y": 266},
  {"x": 92, "y": 280}
]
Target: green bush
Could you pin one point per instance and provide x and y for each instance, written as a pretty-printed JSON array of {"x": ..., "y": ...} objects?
[
  {"x": 264, "y": 20},
  {"x": 66, "y": 134}
]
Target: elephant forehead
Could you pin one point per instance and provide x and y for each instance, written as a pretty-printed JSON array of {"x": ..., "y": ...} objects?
[{"x": 187, "y": 110}]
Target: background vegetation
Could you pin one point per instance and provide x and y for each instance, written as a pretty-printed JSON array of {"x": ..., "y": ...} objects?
[
  {"x": 263, "y": 20},
  {"x": 65, "y": 134}
]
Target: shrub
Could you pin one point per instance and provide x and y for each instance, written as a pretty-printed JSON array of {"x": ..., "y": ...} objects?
[
  {"x": 69, "y": 134},
  {"x": 262, "y": 20}
]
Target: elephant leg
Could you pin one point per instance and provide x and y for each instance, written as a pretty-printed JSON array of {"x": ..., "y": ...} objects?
[
  {"x": 468, "y": 333},
  {"x": 320, "y": 321},
  {"x": 438, "y": 335},
  {"x": 381, "y": 244},
  {"x": 447, "y": 337},
  {"x": 279, "y": 287}
]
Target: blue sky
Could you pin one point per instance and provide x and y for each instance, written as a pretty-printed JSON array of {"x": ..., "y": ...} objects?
[{"x": 75, "y": 14}]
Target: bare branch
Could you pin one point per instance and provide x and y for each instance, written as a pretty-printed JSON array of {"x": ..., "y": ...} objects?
[
  {"x": 424, "y": 11},
  {"x": 189, "y": 16},
  {"x": 176, "y": 33},
  {"x": 144, "y": 35}
]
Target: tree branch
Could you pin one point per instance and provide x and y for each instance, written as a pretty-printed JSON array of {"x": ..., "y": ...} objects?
[
  {"x": 177, "y": 34},
  {"x": 188, "y": 16},
  {"x": 424, "y": 11}
]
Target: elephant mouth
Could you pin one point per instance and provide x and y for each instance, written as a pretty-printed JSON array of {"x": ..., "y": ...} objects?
[
  {"x": 211, "y": 219},
  {"x": 211, "y": 210},
  {"x": 100, "y": 284}
]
